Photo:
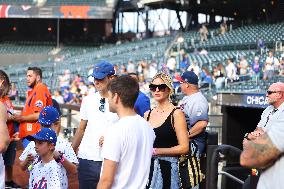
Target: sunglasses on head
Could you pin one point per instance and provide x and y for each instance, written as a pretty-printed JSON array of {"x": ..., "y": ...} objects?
[
  {"x": 270, "y": 92},
  {"x": 102, "y": 106},
  {"x": 161, "y": 87}
]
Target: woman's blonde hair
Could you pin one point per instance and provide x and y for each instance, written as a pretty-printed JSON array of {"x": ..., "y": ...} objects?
[{"x": 167, "y": 80}]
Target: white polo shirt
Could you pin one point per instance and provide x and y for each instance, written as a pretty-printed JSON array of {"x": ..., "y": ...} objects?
[
  {"x": 97, "y": 124},
  {"x": 270, "y": 117},
  {"x": 272, "y": 177}
]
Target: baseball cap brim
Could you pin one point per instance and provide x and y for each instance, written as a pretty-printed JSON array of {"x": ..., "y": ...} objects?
[
  {"x": 35, "y": 137},
  {"x": 179, "y": 78},
  {"x": 99, "y": 75}
]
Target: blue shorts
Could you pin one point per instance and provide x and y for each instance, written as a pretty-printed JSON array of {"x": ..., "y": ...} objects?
[
  {"x": 10, "y": 154},
  {"x": 89, "y": 173}
]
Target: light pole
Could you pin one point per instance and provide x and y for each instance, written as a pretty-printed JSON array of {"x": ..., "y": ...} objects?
[{"x": 179, "y": 41}]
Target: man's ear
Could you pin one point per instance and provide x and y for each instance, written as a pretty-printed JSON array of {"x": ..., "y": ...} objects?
[
  {"x": 1, "y": 82},
  {"x": 116, "y": 98},
  {"x": 112, "y": 77},
  {"x": 38, "y": 78}
]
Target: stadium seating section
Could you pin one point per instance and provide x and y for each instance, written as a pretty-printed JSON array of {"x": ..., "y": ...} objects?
[{"x": 233, "y": 44}]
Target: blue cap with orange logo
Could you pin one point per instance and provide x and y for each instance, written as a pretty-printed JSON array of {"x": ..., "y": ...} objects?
[{"x": 48, "y": 115}]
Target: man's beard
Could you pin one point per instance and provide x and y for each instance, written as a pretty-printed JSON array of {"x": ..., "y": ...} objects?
[
  {"x": 32, "y": 85},
  {"x": 271, "y": 101}
]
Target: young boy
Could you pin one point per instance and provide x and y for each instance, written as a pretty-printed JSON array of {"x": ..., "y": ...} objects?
[
  {"x": 45, "y": 172},
  {"x": 63, "y": 153}
]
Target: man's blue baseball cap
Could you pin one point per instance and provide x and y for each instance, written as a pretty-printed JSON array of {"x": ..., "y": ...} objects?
[
  {"x": 48, "y": 115},
  {"x": 188, "y": 77},
  {"x": 45, "y": 134},
  {"x": 103, "y": 69}
]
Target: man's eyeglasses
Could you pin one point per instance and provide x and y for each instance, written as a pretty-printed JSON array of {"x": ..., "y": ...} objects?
[
  {"x": 102, "y": 106},
  {"x": 161, "y": 87},
  {"x": 270, "y": 92}
]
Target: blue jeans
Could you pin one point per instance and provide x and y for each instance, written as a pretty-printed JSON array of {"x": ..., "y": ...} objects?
[{"x": 89, "y": 173}]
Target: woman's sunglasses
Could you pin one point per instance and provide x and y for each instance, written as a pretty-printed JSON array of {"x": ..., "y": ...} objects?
[{"x": 161, "y": 87}]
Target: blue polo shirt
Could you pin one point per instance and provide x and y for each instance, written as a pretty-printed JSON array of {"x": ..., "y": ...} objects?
[{"x": 142, "y": 104}]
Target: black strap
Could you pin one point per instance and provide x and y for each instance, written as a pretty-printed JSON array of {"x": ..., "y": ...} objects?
[
  {"x": 172, "y": 117},
  {"x": 148, "y": 117}
]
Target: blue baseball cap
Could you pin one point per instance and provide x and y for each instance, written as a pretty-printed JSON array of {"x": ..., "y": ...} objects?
[
  {"x": 103, "y": 69},
  {"x": 45, "y": 134},
  {"x": 188, "y": 77},
  {"x": 48, "y": 115}
]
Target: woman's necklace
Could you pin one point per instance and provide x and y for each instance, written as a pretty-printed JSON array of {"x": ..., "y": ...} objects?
[{"x": 159, "y": 111}]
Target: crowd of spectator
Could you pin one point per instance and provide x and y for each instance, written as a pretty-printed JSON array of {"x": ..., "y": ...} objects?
[{"x": 72, "y": 88}]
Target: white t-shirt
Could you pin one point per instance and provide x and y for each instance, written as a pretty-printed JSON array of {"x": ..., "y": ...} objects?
[
  {"x": 171, "y": 63},
  {"x": 231, "y": 71},
  {"x": 130, "y": 143},
  {"x": 63, "y": 146},
  {"x": 98, "y": 122},
  {"x": 46, "y": 175},
  {"x": 194, "y": 68},
  {"x": 271, "y": 62},
  {"x": 243, "y": 63},
  {"x": 2, "y": 172}
]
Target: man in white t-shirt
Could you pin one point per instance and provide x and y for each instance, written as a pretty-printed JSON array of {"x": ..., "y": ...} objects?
[
  {"x": 4, "y": 142},
  {"x": 128, "y": 144},
  {"x": 271, "y": 63},
  {"x": 231, "y": 70},
  {"x": 95, "y": 119}
]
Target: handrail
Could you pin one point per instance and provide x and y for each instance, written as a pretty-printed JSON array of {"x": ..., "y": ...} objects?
[
  {"x": 69, "y": 107},
  {"x": 64, "y": 106}
]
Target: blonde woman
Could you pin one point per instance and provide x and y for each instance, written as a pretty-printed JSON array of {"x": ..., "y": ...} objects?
[{"x": 171, "y": 140}]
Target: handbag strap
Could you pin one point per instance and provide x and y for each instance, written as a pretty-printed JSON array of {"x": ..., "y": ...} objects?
[
  {"x": 148, "y": 117},
  {"x": 172, "y": 117}
]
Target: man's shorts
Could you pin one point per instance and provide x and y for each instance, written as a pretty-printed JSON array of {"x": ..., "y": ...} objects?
[{"x": 10, "y": 154}]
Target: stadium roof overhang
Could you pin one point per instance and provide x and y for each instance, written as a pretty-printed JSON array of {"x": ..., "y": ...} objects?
[{"x": 228, "y": 8}]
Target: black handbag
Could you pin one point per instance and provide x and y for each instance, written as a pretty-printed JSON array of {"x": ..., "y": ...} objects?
[{"x": 189, "y": 168}]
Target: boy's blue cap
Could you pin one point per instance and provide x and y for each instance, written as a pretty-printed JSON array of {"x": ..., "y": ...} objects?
[
  {"x": 48, "y": 115},
  {"x": 189, "y": 77},
  {"x": 103, "y": 69},
  {"x": 45, "y": 134}
]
